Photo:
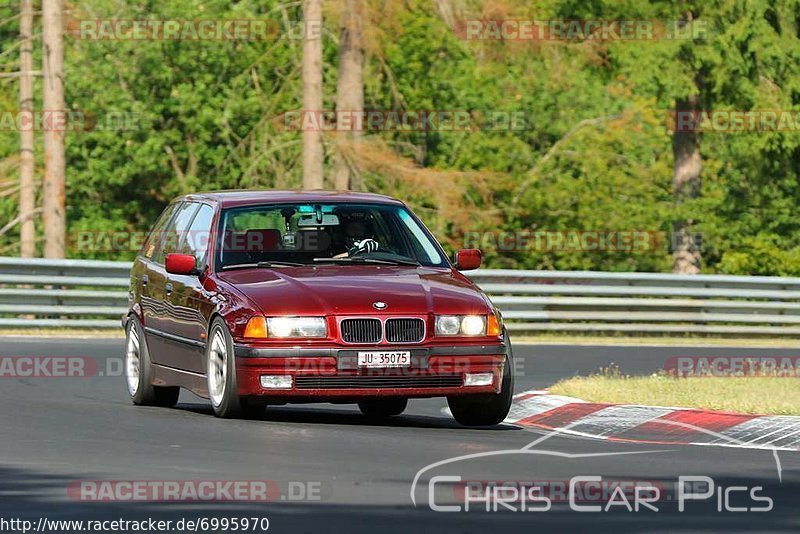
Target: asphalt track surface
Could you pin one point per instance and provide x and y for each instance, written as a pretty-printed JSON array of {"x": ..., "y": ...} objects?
[{"x": 55, "y": 432}]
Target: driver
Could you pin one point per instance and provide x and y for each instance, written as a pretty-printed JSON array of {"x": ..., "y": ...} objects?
[{"x": 357, "y": 238}]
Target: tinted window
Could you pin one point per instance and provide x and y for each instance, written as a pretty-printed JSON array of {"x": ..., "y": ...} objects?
[
  {"x": 156, "y": 232},
  {"x": 342, "y": 233},
  {"x": 196, "y": 241},
  {"x": 175, "y": 231}
]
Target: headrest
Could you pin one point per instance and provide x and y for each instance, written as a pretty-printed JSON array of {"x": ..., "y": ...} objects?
[
  {"x": 313, "y": 239},
  {"x": 261, "y": 240},
  {"x": 251, "y": 240}
]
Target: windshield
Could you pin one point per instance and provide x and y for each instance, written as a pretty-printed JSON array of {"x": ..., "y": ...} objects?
[{"x": 333, "y": 233}]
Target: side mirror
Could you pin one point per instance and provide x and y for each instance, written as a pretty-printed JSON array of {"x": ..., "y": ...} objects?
[
  {"x": 468, "y": 259},
  {"x": 181, "y": 264}
]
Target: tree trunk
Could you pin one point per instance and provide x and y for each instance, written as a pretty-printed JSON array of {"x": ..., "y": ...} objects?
[
  {"x": 446, "y": 12},
  {"x": 312, "y": 93},
  {"x": 54, "y": 190},
  {"x": 350, "y": 87},
  {"x": 686, "y": 183},
  {"x": 27, "y": 190}
]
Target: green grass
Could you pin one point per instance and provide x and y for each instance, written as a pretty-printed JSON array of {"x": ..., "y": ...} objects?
[
  {"x": 750, "y": 395},
  {"x": 670, "y": 341}
]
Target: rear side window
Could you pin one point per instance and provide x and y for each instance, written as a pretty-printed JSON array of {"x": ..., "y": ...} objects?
[{"x": 157, "y": 231}]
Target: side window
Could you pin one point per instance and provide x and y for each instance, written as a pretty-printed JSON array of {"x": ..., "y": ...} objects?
[
  {"x": 425, "y": 249},
  {"x": 157, "y": 231},
  {"x": 196, "y": 242},
  {"x": 175, "y": 231}
]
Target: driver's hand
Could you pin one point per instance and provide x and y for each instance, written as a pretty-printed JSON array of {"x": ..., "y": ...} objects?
[{"x": 364, "y": 246}]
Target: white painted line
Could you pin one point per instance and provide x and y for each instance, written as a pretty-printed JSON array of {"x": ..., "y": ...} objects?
[
  {"x": 611, "y": 422},
  {"x": 532, "y": 392},
  {"x": 758, "y": 430},
  {"x": 580, "y": 434},
  {"x": 570, "y": 432},
  {"x": 781, "y": 430},
  {"x": 537, "y": 405},
  {"x": 614, "y": 420},
  {"x": 739, "y": 446},
  {"x": 789, "y": 440},
  {"x": 751, "y": 432}
]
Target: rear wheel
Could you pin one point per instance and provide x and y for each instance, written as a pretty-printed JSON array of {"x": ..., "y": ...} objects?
[
  {"x": 485, "y": 410},
  {"x": 221, "y": 376},
  {"x": 139, "y": 372},
  {"x": 382, "y": 408}
]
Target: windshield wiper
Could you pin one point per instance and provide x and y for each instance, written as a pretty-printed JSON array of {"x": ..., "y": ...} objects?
[
  {"x": 263, "y": 264},
  {"x": 367, "y": 260}
]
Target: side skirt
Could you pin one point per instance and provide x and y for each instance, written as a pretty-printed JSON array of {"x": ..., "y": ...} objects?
[{"x": 168, "y": 376}]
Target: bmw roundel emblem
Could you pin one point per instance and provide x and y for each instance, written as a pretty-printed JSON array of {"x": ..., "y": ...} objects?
[{"x": 380, "y": 305}]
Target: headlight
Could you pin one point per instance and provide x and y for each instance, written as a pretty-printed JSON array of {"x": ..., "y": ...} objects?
[
  {"x": 464, "y": 325},
  {"x": 473, "y": 325},
  {"x": 296, "y": 327},
  {"x": 448, "y": 325}
]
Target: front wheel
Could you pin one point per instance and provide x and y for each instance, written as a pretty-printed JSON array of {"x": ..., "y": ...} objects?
[
  {"x": 221, "y": 377},
  {"x": 486, "y": 410}
]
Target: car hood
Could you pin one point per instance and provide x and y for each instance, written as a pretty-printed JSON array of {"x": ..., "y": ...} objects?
[{"x": 351, "y": 289}]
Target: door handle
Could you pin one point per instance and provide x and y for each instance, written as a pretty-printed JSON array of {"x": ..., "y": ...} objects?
[
  {"x": 168, "y": 287},
  {"x": 145, "y": 279}
]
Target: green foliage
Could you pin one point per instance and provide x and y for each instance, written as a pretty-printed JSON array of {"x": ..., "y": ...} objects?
[{"x": 593, "y": 152}]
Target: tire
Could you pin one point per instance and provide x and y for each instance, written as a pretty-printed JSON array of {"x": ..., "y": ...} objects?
[
  {"x": 139, "y": 371},
  {"x": 382, "y": 408},
  {"x": 221, "y": 377},
  {"x": 486, "y": 410}
]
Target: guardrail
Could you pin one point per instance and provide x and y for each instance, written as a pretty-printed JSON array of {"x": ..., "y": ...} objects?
[
  {"x": 62, "y": 293},
  {"x": 93, "y": 294},
  {"x": 588, "y": 301}
]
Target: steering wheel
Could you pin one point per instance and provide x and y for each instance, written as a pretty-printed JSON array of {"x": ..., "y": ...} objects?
[{"x": 365, "y": 246}]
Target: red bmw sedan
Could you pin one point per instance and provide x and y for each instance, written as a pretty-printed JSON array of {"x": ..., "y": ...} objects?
[{"x": 252, "y": 298}]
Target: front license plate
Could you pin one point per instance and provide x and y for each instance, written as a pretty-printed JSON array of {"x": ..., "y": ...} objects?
[{"x": 384, "y": 359}]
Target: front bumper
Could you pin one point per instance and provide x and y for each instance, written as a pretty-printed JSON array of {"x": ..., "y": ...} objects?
[{"x": 332, "y": 373}]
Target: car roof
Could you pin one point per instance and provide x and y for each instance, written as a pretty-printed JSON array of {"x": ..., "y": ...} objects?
[{"x": 248, "y": 197}]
